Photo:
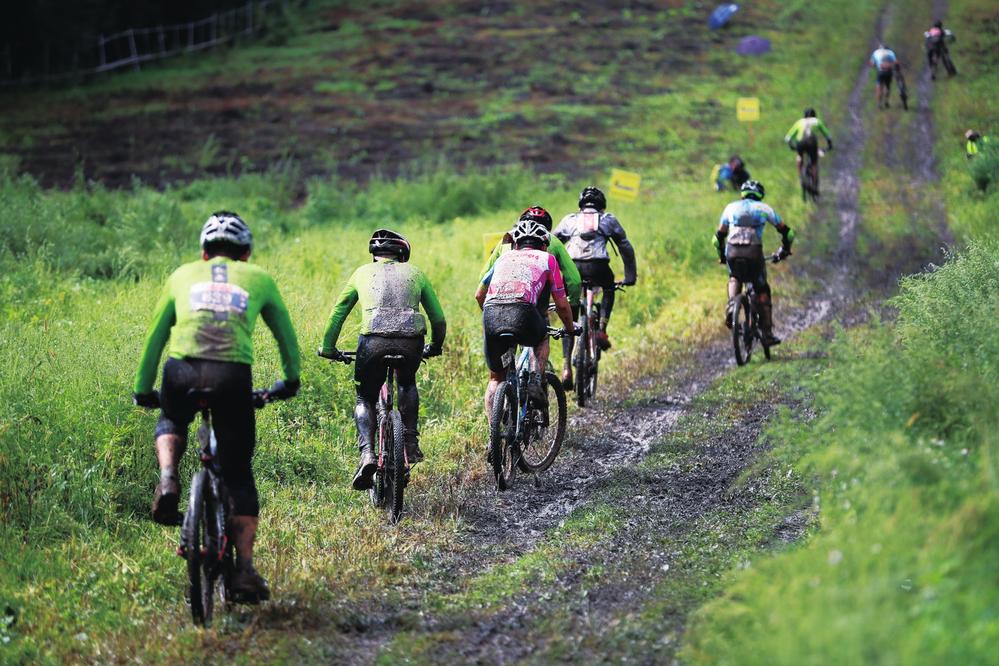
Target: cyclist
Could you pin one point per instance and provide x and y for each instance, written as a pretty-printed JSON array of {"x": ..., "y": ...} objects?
[
  {"x": 803, "y": 138},
  {"x": 585, "y": 234},
  {"x": 739, "y": 242},
  {"x": 935, "y": 40},
  {"x": 208, "y": 309},
  {"x": 509, "y": 294},
  {"x": 883, "y": 61},
  {"x": 390, "y": 292},
  {"x": 975, "y": 141},
  {"x": 733, "y": 173}
]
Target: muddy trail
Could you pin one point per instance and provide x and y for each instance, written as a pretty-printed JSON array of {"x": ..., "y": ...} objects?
[{"x": 671, "y": 484}]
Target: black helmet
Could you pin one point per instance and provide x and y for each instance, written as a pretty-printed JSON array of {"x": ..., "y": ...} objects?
[
  {"x": 938, "y": 23},
  {"x": 537, "y": 214},
  {"x": 809, "y": 112},
  {"x": 753, "y": 189},
  {"x": 385, "y": 241},
  {"x": 593, "y": 197}
]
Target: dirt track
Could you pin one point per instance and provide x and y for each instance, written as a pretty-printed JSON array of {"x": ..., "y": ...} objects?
[{"x": 662, "y": 506}]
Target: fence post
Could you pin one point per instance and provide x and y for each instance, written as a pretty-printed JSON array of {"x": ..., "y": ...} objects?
[
  {"x": 162, "y": 39},
  {"x": 102, "y": 55},
  {"x": 215, "y": 27},
  {"x": 190, "y": 36},
  {"x": 135, "y": 51}
]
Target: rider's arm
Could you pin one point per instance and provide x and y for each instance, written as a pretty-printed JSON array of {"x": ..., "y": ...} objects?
[
  {"x": 564, "y": 230},
  {"x": 570, "y": 273},
  {"x": 792, "y": 134},
  {"x": 159, "y": 332},
  {"x": 786, "y": 233},
  {"x": 276, "y": 316},
  {"x": 624, "y": 246},
  {"x": 435, "y": 313},
  {"x": 480, "y": 293},
  {"x": 344, "y": 304}
]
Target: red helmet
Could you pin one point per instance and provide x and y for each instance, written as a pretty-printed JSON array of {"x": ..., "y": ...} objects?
[{"x": 539, "y": 215}]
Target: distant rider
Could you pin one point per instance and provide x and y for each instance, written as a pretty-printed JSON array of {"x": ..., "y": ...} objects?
[
  {"x": 739, "y": 242},
  {"x": 975, "y": 142},
  {"x": 732, "y": 174},
  {"x": 585, "y": 234},
  {"x": 935, "y": 41},
  {"x": 390, "y": 292},
  {"x": 208, "y": 309},
  {"x": 883, "y": 61},
  {"x": 803, "y": 138},
  {"x": 509, "y": 294}
]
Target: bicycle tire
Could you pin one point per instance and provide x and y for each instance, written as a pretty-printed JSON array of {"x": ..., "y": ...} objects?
[
  {"x": 582, "y": 361},
  {"x": 742, "y": 331},
  {"x": 595, "y": 353},
  {"x": 949, "y": 65},
  {"x": 214, "y": 544},
  {"x": 500, "y": 447},
  {"x": 549, "y": 446},
  {"x": 378, "y": 493},
  {"x": 191, "y": 537},
  {"x": 397, "y": 466}
]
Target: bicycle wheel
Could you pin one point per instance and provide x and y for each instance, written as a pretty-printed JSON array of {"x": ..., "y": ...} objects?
[
  {"x": 582, "y": 361},
  {"x": 543, "y": 434},
  {"x": 379, "y": 493},
  {"x": 502, "y": 430},
  {"x": 213, "y": 549},
  {"x": 192, "y": 538},
  {"x": 949, "y": 64},
  {"x": 595, "y": 353},
  {"x": 396, "y": 467},
  {"x": 742, "y": 331}
]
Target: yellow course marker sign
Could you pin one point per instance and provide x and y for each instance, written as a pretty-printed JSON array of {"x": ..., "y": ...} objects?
[
  {"x": 624, "y": 184},
  {"x": 490, "y": 241},
  {"x": 747, "y": 109}
]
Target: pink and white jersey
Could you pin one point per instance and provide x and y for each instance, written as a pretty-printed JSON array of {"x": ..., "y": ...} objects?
[{"x": 520, "y": 276}]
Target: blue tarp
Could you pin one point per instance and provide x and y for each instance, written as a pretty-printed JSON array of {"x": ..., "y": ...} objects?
[
  {"x": 721, "y": 15},
  {"x": 753, "y": 45}
]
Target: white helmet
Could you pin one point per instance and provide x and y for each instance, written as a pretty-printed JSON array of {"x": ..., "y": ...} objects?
[
  {"x": 528, "y": 230},
  {"x": 226, "y": 227}
]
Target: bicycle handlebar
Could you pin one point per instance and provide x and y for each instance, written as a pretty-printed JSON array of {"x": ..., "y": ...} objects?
[
  {"x": 558, "y": 333},
  {"x": 345, "y": 357}
]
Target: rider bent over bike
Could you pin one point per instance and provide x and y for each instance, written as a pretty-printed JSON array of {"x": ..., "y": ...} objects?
[
  {"x": 389, "y": 291},
  {"x": 803, "y": 138},
  {"x": 585, "y": 234},
  {"x": 739, "y": 242},
  {"x": 513, "y": 296},
  {"x": 883, "y": 61},
  {"x": 207, "y": 310}
]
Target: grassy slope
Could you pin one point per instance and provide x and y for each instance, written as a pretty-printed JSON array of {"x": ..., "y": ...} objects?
[
  {"x": 902, "y": 453},
  {"x": 88, "y": 471}
]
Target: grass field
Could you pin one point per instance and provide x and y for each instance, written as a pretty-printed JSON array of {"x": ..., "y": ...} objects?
[{"x": 86, "y": 576}]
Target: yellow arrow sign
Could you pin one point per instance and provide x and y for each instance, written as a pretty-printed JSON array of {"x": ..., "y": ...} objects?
[
  {"x": 747, "y": 109},
  {"x": 624, "y": 184}
]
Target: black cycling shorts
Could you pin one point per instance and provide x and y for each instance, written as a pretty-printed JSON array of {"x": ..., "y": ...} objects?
[
  {"x": 884, "y": 77},
  {"x": 810, "y": 147},
  {"x": 370, "y": 366},
  {"x": 596, "y": 272},
  {"x": 233, "y": 419},
  {"x": 522, "y": 320},
  {"x": 750, "y": 268}
]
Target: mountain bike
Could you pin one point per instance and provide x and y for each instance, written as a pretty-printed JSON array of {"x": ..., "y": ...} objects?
[
  {"x": 903, "y": 90},
  {"x": 809, "y": 177},
  {"x": 204, "y": 537},
  {"x": 938, "y": 56},
  {"x": 586, "y": 358},
  {"x": 746, "y": 324},
  {"x": 392, "y": 472},
  {"x": 521, "y": 433}
]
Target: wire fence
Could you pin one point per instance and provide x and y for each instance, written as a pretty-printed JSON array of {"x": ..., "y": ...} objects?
[{"x": 132, "y": 47}]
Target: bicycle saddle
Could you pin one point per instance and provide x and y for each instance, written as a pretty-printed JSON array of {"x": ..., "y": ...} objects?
[
  {"x": 200, "y": 396},
  {"x": 394, "y": 359}
]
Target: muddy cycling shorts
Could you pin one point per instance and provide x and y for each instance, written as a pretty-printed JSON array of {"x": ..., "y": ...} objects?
[
  {"x": 370, "y": 366},
  {"x": 233, "y": 419},
  {"x": 748, "y": 266},
  {"x": 884, "y": 77},
  {"x": 809, "y": 146},
  {"x": 522, "y": 320}
]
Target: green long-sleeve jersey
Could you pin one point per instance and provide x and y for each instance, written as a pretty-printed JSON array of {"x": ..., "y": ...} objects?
[
  {"x": 208, "y": 310},
  {"x": 390, "y": 294},
  {"x": 556, "y": 248}
]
